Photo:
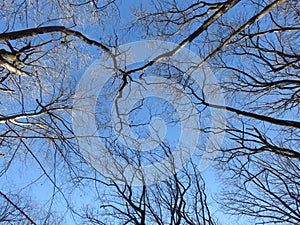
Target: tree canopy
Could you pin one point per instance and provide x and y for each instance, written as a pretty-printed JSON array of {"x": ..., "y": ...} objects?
[{"x": 190, "y": 89}]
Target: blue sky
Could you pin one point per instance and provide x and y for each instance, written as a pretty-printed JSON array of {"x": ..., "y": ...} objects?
[{"x": 25, "y": 170}]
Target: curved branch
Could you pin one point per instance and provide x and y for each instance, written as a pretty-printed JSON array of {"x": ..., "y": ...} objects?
[{"x": 50, "y": 29}]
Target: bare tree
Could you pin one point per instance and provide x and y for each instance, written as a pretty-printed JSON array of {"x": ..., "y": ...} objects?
[
  {"x": 251, "y": 46},
  {"x": 37, "y": 62},
  {"x": 257, "y": 60},
  {"x": 181, "y": 199}
]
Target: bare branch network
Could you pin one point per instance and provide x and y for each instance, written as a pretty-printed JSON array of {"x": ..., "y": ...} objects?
[{"x": 251, "y": 47}]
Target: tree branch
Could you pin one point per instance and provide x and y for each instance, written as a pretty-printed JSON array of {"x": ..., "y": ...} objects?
[{"x": 17, "y": 208}]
